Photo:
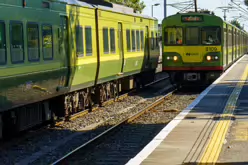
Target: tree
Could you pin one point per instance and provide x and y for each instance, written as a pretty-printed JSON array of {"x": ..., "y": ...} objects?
[
  {"x": 237, "y": 24},
  {"x": 137, "y": 5},
  {"x": 246, "y": 2},
  {"x": 206, "y": 11}
]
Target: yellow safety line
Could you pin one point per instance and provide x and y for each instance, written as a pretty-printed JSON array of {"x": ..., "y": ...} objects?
[{"x": 213, "y": 149}]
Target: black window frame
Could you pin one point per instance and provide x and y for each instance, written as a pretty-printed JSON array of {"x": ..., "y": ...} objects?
[
  {"x": 220, "y": 37},
  {"x": 199, "y": 35},
  {"x": 47, "y": 59},
  {"x": 142, "y": 40},
  {"x": 114, "y": 38},
  {"x": 133, "y": 39},
  {"x": 33, "y": 23},
  {"x": 105, "y": 29},
  {"x": 82, "y": 37},
  {"x": 130, "y": 39},
  {"x": 183, "y": 35},
  {"x": 10, "y": 33},
  {"x": 5, "y": 43},
  {"x": 137, "y": 38},
  {"x": 88, "y": 53}
]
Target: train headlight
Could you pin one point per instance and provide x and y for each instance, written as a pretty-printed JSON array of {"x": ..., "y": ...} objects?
[
  {"x": 208, "y": 58},
  {"x": 175, "y": 58},
  {"x": 168, "y": 58},
  {"x": 216, "y": 57}
]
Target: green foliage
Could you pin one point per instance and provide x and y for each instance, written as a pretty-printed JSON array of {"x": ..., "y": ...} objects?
[
  {"x": 137, "y": 5},
  {"x": 246, "y": 2},
  {"x": 206, "y": 11},
  {"x": 237, "y": 24}
]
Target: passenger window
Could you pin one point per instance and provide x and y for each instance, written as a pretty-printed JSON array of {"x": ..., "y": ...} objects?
[
  {"x": 138, "y": 40},
  {"x": 80, "y": 41},
  {"x": 173, "y": 36},
  {"x": 128, "y": 40},
  {"x": 112, "y": 40},
  {"x": 33, "y": 42},
  {"x": 3, "y": 58},
  {"x": 47, "y": 42},
  {"x": 211, "y": 35},
  {"x": 88, "y": 36},
  {"x": 142, "y": 39},
  {"x": 105, "y": 41},
  {"x": 133, "y": 40},
  {"x": 17, "y": 53},
  {"x": 152, "y": 41},
  {"x": 192, "y": 36}
]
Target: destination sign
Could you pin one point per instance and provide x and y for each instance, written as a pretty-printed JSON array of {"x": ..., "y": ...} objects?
[{"x": 192, "y": 18}]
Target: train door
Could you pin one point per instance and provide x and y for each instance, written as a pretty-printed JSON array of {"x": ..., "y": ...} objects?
[
  {"x": 233, "y": 43},
  {"x": 147, "y": 46},
  {"x": 225, "y": 58},
  {"x": 64, "y": 47},
  {"x": 227, "y": 44},
  {"x": 120, "y": 40}
]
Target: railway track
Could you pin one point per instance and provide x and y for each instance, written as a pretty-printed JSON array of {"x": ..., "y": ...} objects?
[
  {"x": 94, "y": 151},
  {"x": 46, "y": 142}
]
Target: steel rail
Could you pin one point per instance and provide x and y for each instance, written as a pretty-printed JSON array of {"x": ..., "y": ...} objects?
[{"x": 99, "y": 138}]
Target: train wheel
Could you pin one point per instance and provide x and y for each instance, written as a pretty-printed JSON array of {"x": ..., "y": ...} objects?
[
  {"x": 114, "y": 90},
  {"x": 103, "y": 93},
  {"x": 68, "y": 107}
]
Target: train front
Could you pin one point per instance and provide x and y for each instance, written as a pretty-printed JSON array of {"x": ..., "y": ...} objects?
[{"x": 192, "y": 48}]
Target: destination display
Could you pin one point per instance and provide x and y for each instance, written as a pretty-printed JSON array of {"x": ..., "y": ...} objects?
[{"x": 192, "y": 18}]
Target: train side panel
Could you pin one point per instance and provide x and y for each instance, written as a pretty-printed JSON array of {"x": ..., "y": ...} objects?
[
  {"x": 83, "y": 56},
  {"x": 31, "y": 68},
  {"x": 109, "y": 42}
]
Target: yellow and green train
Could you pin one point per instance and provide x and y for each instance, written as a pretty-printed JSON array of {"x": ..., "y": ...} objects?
[
  {"x": 198, "y": 47},
  {"x": 59, "y": 56}
]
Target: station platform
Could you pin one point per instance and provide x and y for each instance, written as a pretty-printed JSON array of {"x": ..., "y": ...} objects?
[{"x": 212, "y": 130}]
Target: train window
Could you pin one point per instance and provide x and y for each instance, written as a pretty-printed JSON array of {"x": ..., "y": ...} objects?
[
  {"x": 33, "y": 42},
  {"x": 157, "y": 40},
  {"x": 88, "y": 36},
  {"x": 133, "y": 41},
  {"x": 47, "y": 42},
  {"x": 152, "y": 40},
  {"x": 211, "y": 35},
  {"x": 3, "y": 58},
  {"x": 128, "y": 40},
  {"x": 173, "y": 36},
  {"x": 229, "y": 38},
  {"x": 80, "y": 41},
  {"x": 138, "y": 40},
  {"x": 142, "y": 39},
  {"x": 105, "y": 40},
  {"x": 192, "y": 35},
  {"x": 112, "y": 40},
  {"x": 17, "y": 52}
]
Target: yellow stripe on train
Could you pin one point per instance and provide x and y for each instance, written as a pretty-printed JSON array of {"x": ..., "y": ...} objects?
[{"x": 192, "y": 53}]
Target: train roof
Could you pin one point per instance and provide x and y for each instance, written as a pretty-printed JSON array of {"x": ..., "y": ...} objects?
[
  {"x": 228, "y": 23},
  {"x": 105, "y": 6}
]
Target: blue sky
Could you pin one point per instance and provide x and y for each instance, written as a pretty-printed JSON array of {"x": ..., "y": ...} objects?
[{"x": 158, "y": 11}]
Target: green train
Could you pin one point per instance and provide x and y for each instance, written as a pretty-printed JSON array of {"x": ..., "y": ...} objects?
[
  {"x": 58, "y": 57},
  {"x": 198, "y": 47}
]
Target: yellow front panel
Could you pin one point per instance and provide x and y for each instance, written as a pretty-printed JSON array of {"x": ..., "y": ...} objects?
[{"x": 192, "y": 53}]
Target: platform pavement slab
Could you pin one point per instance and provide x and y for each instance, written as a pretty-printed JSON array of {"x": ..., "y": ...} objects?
[
  {"x": 235, "y": 149},
  {"x": 178, "y": 146}
]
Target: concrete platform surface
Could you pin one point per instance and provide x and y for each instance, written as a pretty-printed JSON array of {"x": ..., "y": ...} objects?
[{"x": 212, "y": 130}]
